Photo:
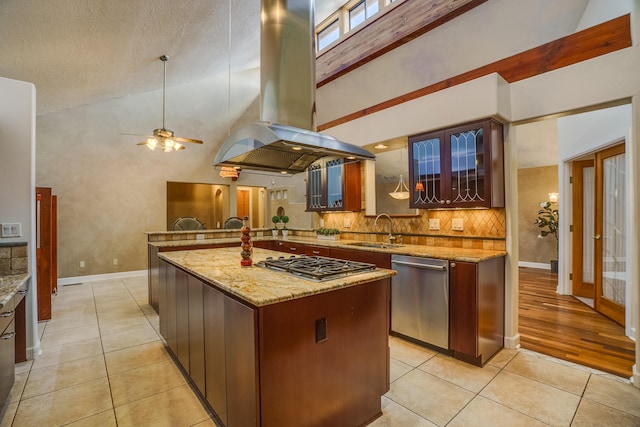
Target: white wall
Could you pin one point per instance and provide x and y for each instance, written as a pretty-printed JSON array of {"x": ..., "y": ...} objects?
[{"x": 17, "y": 180}]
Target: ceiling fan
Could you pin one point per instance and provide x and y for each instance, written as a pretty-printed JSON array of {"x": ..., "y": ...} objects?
[{"x": 162, "y": 138}]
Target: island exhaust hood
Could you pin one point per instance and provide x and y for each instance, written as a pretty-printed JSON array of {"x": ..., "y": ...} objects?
[{"x": 285, "y": 140}]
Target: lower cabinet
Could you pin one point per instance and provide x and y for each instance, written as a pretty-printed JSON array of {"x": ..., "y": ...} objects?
[
  {"x": 7, "y": 353},
  {"x": 215, "y": 346},
  {"x": 476, "y": 309},
  {"x": 381, "y": 260}
]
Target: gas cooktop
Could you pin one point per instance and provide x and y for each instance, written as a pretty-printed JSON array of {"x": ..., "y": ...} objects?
[{"x": 316, "y": 268}]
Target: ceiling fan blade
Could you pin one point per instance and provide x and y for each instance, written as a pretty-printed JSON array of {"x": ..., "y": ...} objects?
[{"x": 193, "y": 141}]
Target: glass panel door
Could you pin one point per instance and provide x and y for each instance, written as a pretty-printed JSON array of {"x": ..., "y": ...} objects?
[
  {"x": 334, "y": 184},
  {"x": 610, "y": 233},
  {"x": 426, "y": 174},
  {"x": 583, "y": 220},
  {"x": 467, "y": 166}
]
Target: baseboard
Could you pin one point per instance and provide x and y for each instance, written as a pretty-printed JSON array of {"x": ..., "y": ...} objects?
[
  {"x": 513, "y": 342},
  {"x": 96, "y": 277},
  {"x": 540, "y": 265},
  {"x": 34, "y": 352},
  {"x": 635, "y": 378}
]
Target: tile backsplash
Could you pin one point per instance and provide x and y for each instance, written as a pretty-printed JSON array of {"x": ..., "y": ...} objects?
[
  {"x": 13, "y": 258},
  {"x": 481, "y": 228}
]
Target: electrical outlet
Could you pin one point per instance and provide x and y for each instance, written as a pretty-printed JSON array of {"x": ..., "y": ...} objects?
[
  {"x": 457, "y": 224},
  {"x": 12, "y": 230},
  {"x": 321, "y": 222},
  {"x": 199, "y": 236},
  {"x": 115, "y": 261},
  {"x": 347, "y": 223},
  {"x": 81, "y": 264},
  {"x": 434, "y": 224}
]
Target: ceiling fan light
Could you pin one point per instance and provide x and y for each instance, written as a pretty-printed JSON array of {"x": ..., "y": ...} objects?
[{"x": 152, "y": 143}]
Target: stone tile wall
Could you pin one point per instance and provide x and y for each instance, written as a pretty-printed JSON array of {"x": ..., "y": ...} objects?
[{"x": 13, "y": 258}]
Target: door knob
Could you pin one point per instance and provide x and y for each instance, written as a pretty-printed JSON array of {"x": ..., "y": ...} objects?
[
  {"x": 596, "y": 236},
  {"x": 453, "y": 265}
]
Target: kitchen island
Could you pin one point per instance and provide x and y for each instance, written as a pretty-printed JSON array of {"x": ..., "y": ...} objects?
[{"x": 267, "y": 348}]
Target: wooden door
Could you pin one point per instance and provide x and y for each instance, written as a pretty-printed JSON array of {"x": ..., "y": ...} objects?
[
  {"x": 46, "y": 254},
  {"x": 243, "y": 203},
  {"x": 583, "y": 283},
  {"x": 610, "y": 233}
]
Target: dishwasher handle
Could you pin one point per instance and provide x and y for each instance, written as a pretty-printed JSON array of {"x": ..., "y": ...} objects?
[{"x": 418, "y": 265}]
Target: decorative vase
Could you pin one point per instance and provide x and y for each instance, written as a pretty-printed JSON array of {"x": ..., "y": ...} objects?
[
  {"x": 285, "y": 232},
  {"x": 274, "y": 232},
  {"x": 246, "y": 245}
]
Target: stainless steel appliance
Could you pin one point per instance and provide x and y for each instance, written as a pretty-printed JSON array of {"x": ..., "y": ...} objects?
[
  {"x": 316, "y": 267},
  {"x": 420, "y": 299}
]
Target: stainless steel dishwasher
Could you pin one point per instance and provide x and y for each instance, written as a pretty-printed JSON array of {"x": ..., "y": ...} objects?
[{"x": 420, "y": 299}]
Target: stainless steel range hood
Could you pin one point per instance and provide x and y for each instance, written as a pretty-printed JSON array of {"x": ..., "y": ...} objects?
[{"x": 285, "y": 140}]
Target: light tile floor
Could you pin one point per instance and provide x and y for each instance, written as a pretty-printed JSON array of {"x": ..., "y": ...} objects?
[{"x": 104, "y": 364}]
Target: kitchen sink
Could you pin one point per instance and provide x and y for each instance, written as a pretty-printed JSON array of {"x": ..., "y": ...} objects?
[{"x": 375, "y": 245}]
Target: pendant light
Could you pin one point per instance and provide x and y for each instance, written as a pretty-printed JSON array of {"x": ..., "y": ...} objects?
[{"x": 402, "y": 191}]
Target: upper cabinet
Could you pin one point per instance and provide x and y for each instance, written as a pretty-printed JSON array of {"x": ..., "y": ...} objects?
[
  {"x": 460, "y": 167},
  {"x": 334, "y": 185}
]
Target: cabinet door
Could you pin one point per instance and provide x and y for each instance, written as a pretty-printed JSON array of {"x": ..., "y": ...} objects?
[
  {"x": 379, "y": 259},
  {"x": 215, "y": 367},
  {"x": 426, "y": 171},
  {"x": 315, "y": 188},
  {"x": 7, "y": 361},
  {"x": 333, "y": 185},
  {"x": 182, "y": 318},
  {"x": 468, "y": 165},
  {"x": 168, "y": 306},
  {"x": 463, "y": 312},
  {"x": 196, "y": 333}
]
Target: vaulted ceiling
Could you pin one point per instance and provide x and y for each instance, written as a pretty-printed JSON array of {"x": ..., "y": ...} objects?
[{"x": 80, "y": 52}]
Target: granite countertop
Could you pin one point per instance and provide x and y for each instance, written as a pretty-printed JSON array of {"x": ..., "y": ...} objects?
[
  {"x": 9, "y": 285},
  {"x": 258, "y": 286},
  {"x": 439, "y": 252}
]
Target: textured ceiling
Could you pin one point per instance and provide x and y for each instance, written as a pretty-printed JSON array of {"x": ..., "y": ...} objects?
[{"x": 79, "y": 52}]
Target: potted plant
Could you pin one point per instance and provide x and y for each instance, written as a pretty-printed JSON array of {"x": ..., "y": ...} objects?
[
  {"x": 547, "y": 221},
  {"x": 284, "y": 220},
  {"x": 327, "y": 233},
  {"x": 275, "y": 219}
]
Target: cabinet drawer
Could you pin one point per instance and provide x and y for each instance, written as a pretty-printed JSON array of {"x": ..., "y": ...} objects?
[
  {"x": 292, "y": 248},
  {"x": 6, "y": 315},
  {"x": 311, "y": 250}
]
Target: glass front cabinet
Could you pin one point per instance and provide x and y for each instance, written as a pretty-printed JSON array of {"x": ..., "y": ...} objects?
[
  {"x": 460, "y": 167},
  {"x": 333, "y": 185}
]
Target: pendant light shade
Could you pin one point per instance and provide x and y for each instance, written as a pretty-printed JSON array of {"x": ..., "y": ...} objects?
[{"x": 402, "y": 191}]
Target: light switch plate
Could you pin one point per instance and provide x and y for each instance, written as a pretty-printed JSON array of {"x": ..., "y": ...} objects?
[
  {"x": 457, "y": 224},
  {"x": 12, "y": 230},
  {"x": 434, "y": 224},
  {"x": 347, "y": 223},
  {"x": 199, "y": 236}
]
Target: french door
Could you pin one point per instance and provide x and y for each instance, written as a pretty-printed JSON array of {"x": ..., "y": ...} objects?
[
  {"x": 610, "y": 263},
  {"x": 583, "y": 282}
]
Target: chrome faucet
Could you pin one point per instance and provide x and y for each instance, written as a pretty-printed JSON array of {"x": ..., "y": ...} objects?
[{"x": 391, "y": 237}]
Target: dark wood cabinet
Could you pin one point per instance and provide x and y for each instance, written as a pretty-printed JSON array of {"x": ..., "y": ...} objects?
[
  {"x": 7, "y": 348},
  {"x": 290, "y": 247},
  {"x": 196, "y": 333},
  {"x": 380, "y": 259},
  {"x": 264, "y": 244},
  {"x": 459, "y": 167},
  {"x": 334, "y": 185},
  {"x": 476, "y": 309},
  {"x": 182, "y": 318},
  {"x": 313, "y": 250}
]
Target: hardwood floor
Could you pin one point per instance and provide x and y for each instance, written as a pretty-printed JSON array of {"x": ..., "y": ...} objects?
[{"x": 563, "y": 327}]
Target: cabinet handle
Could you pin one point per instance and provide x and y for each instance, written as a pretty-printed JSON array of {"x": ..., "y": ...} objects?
[
  {"x": 293, "y": 249},
  {"x": 452, "y": 265},
  {"x": 7, "y": 336},
  {"x": 316, "y": 252},
  {"x": 448, "y": 202},
  {"x": 442, "y": 202},
  {"x": 596, "y": 236},
  {"x": 7, "y": 313},
  {"x": 22, "y": 292}
]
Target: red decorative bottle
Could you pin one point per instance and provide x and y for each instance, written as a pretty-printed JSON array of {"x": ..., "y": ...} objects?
[{"x": 247, "y": 244}]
